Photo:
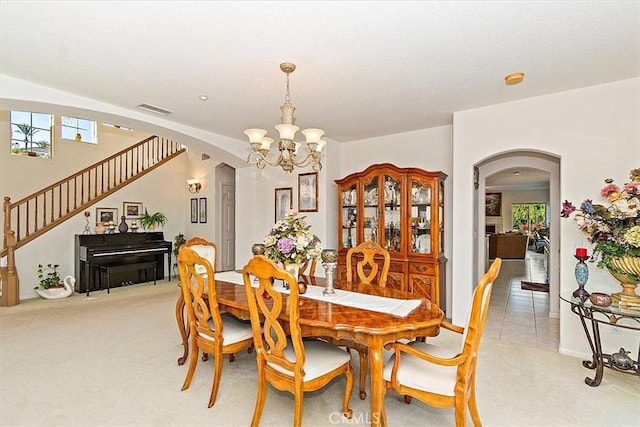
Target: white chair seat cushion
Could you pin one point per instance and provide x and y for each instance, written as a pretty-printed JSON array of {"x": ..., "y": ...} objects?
[
  {"x": 206, "y": 252},
  {"x": 422, "y": 375},
  {"x": 233, "y": 331},
  {"x": 320, "y": 358}
]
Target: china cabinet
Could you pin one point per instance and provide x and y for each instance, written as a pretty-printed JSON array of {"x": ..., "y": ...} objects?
[{"x": 401, "y": 209}]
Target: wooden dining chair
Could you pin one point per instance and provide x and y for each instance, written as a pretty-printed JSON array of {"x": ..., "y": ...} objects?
[
  {"x": 207, "y": 250},
  {"x": 368, "y": 269},
  {"x": 364, "y": 259},
  {"x": 440, "y": 376},
  {"x": 284, "y": 360},
  {"x": 208, "y": 332}
]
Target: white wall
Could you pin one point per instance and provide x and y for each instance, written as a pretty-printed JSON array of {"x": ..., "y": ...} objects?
[{"x": 594, "y": 131}]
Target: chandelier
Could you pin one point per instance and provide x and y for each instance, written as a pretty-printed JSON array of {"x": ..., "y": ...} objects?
[{"x": 289, "y": 156}]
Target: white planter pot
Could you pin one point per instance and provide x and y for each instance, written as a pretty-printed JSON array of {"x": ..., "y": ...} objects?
[{"x": 57, "y": 293}]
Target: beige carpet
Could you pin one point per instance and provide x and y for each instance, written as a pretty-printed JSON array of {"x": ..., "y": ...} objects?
[{"x": 110, "y": 360}]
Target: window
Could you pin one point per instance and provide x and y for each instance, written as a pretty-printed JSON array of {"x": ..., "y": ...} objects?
[
  {"x": 80, "y": 130},
  {"x": 529, "y": 217},
  {"x": 31, "y": 134}
]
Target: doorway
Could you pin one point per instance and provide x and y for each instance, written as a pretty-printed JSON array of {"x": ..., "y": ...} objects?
[
  {"x": 225, "y": 176},
  {"x": 506, "y": 165}
]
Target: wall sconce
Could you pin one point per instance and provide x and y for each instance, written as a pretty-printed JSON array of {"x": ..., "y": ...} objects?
[{"x": 194, "y": 185}]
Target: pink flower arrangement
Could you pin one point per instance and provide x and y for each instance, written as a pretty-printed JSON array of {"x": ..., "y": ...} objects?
[
  {"x": 613, "y": 228},
  {"x": 291, "y": 241}
]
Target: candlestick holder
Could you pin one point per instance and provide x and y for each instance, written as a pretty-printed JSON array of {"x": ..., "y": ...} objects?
[
  {"x": 329, "y": 257},
  {"x": 87, "y": 230},
  {"x": 582, "y": 275}
]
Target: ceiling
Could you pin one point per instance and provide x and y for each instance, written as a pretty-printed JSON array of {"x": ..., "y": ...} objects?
[
  {"x": 521, "y": 178},
  {"x": 365, "y": 69}
]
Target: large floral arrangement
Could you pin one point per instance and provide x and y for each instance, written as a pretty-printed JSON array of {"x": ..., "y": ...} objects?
[
  {"x": 291, "y": 241},
  {"x": 613, "y": 228}
]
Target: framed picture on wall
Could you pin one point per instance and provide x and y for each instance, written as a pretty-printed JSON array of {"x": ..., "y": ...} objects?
[
  {"x": 194, "y": 210},
  {"x": 107, "y": 215},
  {"x": 284, "y": 202},
  {"x": 493, "y": 204},
  {"x": 202, "y": 210},
  {"x": 308, "y": 192},
  {"x": 132, "y": 210}
]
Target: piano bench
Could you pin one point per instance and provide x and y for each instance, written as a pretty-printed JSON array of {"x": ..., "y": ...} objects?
[{"x": 115, "y": 268}]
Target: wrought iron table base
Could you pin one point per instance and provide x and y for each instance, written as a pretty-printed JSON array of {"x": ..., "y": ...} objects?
[{"x": 599, "y": 359}]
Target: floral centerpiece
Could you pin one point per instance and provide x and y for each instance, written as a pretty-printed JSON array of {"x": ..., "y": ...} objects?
[
  {"x": 290, "y": 241},
  {"x": 614, "y": 228}
]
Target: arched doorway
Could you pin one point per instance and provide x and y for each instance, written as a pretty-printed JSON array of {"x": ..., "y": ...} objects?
[{"x": 511, "y": 161}]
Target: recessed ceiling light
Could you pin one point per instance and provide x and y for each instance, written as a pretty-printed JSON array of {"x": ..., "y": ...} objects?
[
  {"x": 514, "y": 79},
  {"x": 203, "y": 97},
  {"x": 516, "y": 173}
]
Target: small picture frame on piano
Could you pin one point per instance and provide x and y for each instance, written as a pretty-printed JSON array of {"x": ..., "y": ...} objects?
[
  {"x": 132, "y": 210},
  {"x": 194, "y": 211},
  {"x": 107, "y": 216},
  {"x": 203, "y": 210}
]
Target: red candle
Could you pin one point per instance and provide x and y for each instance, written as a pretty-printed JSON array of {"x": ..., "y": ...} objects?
[{"x": 581, "y": 252}]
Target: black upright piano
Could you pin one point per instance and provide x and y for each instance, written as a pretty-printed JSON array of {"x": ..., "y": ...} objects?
[{"x": 118, "y": 248}]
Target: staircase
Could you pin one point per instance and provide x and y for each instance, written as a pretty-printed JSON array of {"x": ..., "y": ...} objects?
[{"x": 34, "y": 215}]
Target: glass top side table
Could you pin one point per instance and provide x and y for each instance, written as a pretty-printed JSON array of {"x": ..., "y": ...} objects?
[{"x": 611, "y": 315}]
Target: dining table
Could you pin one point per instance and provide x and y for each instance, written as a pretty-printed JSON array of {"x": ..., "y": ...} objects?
[{"x": 326, "y": 318}]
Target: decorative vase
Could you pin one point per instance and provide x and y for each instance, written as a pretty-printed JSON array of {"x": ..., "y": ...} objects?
[
  {"x": 258, "y": 248},
  {"x": 582, "y": 275},
  {"x": 100, "y": 228},
  {"x": 627, "y": 272},
  {"x": 123, "y": 227},
  {"x": 293, "y": 269}
]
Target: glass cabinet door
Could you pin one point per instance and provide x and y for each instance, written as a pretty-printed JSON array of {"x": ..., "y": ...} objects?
[
  {"x": 392, "y": 203},
  {"x": 349, "y": 198},
  {"x": 370, "y": 210},
  {"x": 420, "y": 217}
]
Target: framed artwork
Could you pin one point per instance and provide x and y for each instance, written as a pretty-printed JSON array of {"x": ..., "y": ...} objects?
[
  {"x": 194, "y": 210},
  {"x": 493, "y": 204},
  {"x": 202, "y": 210},
  {"x": 106, "y": 215},
  {"x": 308, "y": 192},
  {"x": 132, "y": 210},
  {"x": 284, "y": 202}
]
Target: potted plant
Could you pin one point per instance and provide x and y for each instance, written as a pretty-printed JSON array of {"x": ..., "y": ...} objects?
[
  {"x": 51, "y": 286},
  {"x": 151, "y": 221},
  {"x": 49, "y": 276},
  {"x": 179, "y": 241}
]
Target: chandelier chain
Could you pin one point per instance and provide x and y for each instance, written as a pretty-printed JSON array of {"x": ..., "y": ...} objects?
[{"x": 287, "y": 97}]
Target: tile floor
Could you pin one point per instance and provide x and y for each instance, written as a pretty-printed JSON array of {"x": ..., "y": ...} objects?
[{"x": 519, "y": 316}]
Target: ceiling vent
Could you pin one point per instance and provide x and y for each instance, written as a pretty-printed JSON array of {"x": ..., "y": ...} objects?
[{"x": 153, "y": 109}]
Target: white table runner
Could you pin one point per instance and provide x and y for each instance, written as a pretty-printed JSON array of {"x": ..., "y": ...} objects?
[{"x": 395, "y": 307}]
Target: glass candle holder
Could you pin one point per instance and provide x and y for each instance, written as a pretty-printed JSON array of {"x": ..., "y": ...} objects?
[
  {"x": 329, "y": 258},
  {"x": 582, "y": 275}
]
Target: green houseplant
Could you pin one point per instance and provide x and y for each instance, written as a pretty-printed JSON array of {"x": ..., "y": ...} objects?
[
  {"x": 151, "y": 221},
  {"x": 179, "y": 241},
  {"x": 49, "y": 276}
]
